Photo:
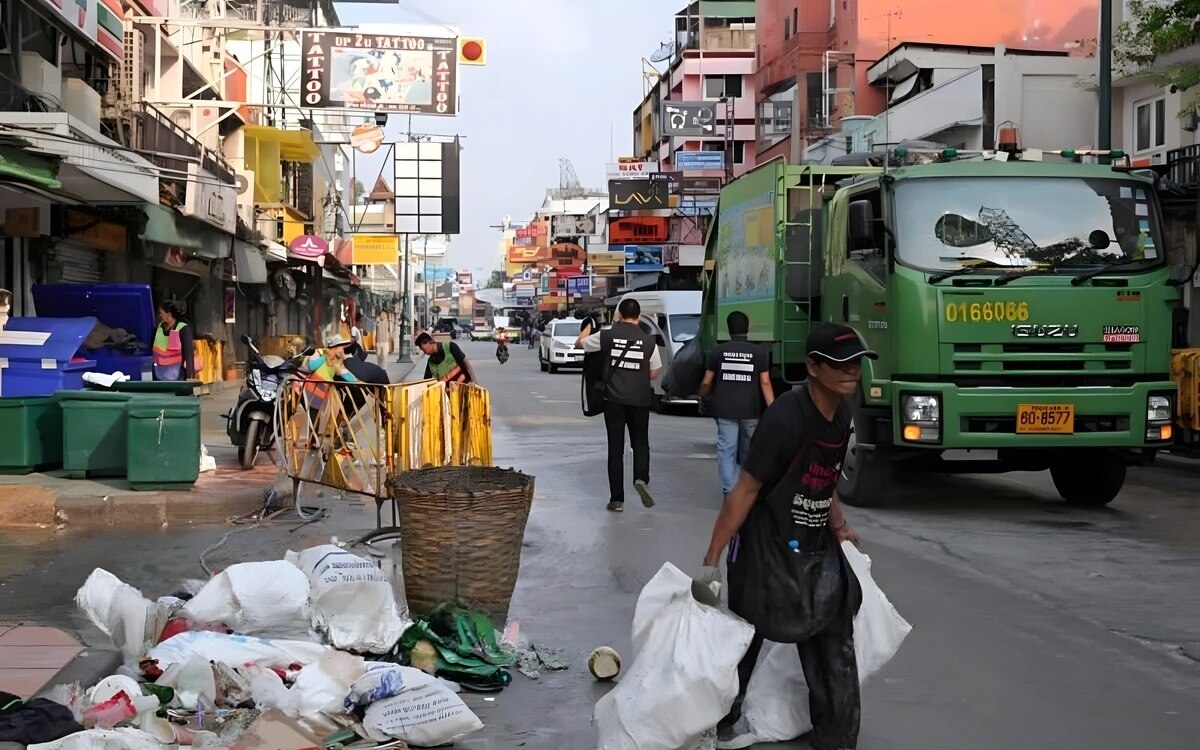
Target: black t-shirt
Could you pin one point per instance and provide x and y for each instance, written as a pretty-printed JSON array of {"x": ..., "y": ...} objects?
[
  {"x": 797, "y": 455},
  {"x": 737, "y": 391},
  {"x": 436, "y": 359}
]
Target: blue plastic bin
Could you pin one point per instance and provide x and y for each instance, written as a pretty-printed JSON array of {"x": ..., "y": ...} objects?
[
  {"x": 126, "y": 306},
  {"x": 36, "y": 355}
]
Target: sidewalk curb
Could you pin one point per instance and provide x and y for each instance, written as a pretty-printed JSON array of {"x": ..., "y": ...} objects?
[
  {"x": 87, "y": 668},
  {"x": 24, "y": 506}
]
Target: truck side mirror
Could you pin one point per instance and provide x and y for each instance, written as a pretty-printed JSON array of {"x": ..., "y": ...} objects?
[{"x": 862, "y": 225}]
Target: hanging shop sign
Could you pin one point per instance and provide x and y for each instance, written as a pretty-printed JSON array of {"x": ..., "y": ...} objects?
[
  {"x": 308, "y": 246},
  {"x": 533, "y": 231},
  {"x": 698, "y": 161},
  {"x": 380, "y": 72},
  {"x": 366, "y": 139},
  {"x": 375, "y": 249},
  {"x": 702, "y": 185},
  {"x": 572, "y": 225},
  {"x": 635, "y": 229},
  {"x": 634, "y": 195},
  {"x": 427, "y": 188},
  {"x": 631, "y": 170},
  {"x": 689, "y": 118},
  {"x": 606, "y": 262}
]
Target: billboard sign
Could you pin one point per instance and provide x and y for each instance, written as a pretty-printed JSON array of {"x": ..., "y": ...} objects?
[
  {"x": 577, "y": 286},
  {"x": 375, "y": 249},
  {"x": 689, "y": 119},
  {"x": 643, "y": 258},
  {"x": 702, "y": 185},
  {"x": 572, "y": 225},
  {"x": 308, "y": 246},
  {"x": 696, "y": 161},
  {"x": 634, "y": 195},
  {"x": 631, "y": 169},
  {"x": 606, "y": 262},
  {"x": 379, "y": 72},
  {"x": 634, "y": 229}
]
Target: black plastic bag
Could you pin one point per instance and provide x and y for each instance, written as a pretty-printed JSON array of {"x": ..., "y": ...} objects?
[
  {"x": 683, "y": 377},
  {"x": 502, "y": 354},
  {"x": 787, "y": 595}
]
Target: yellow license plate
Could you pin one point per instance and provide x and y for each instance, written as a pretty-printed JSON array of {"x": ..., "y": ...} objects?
[{"x": 1046, "y": 419}]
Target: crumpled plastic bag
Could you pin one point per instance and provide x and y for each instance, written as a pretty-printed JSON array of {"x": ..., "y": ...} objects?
[
  {"x": 104, "y": 739},
  {"x": 267, "y": 599},
  {"x": 351, "y": 599},
  {"x": 776, "y": 704},
  {"x": 322, "y": 687},
  {"x": 121, "y": 612},
  {"x": 683, "y": 679},
  {"x": 381, "y": 680},
  {"x": 235, "y": 650},
  {"x": 425, "y": 713}
]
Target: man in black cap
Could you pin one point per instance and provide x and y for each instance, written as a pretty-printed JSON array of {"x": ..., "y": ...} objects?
[{"x": 784, "y": 508}]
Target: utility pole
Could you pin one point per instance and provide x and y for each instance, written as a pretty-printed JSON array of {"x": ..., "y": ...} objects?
[
  {"x": 406, "y": 320},
  {"x": 1105, "y": 52}
]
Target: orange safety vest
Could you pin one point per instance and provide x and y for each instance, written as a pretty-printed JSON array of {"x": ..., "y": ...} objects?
[{"x": 168, "y": 352}]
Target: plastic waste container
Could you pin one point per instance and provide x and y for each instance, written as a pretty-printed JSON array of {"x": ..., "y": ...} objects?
[
  {"x": 128, "y": 307},
  {"x": 155, "y": 387},
  {"x": 32, "y": 430},
  {"x": 163, "y": 439},
  {"x": 93, "y": 430},
  {"x": 38, "y": 355}
]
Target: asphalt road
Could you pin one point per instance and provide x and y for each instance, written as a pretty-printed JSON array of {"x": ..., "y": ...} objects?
[{"x": 1035, "y": 625}]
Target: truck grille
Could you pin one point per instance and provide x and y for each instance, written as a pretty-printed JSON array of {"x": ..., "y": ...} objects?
[
  {"x": 1042, "y": 359},
  {"x": 1008, "y": 425}
]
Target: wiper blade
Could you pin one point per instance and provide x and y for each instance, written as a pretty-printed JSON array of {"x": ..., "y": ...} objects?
[
  {"x": 966, "y": 269},
  {"x": 1006, "y": 278},
  {"x": 1103, "y": 270}
]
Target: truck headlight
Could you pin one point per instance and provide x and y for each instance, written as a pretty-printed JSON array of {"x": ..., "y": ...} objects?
[
  {"x": 561, "y": 345},
  {"x": 1159, "y": 412},
  {"x": 921, "y": 416}
]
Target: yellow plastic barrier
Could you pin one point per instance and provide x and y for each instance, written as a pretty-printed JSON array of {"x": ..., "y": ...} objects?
[
  {"x": 1185, "y": 371},
  {"x": 361, "y": 435},
  {"x": 211, "y": 354}
]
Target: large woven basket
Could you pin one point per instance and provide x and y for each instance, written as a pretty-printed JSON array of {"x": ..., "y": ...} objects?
[{"x": 461, "y": 532}]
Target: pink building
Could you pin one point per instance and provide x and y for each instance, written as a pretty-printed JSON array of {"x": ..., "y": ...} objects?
[
  {"x": 712, "y": 63},
  {"x": 813, "y": 55}
]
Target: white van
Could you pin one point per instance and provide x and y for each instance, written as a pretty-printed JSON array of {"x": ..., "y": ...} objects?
[
  {"x": 557, "y": 346},
  {"x": 674, "y": 317}
]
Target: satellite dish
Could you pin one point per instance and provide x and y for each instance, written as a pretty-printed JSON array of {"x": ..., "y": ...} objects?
[{"x": 665, "y": 52}]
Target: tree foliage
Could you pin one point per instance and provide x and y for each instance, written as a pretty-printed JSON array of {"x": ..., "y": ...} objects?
[
  {"x": 495, "y": 281},
  {"x": 1155, "y": 28}
]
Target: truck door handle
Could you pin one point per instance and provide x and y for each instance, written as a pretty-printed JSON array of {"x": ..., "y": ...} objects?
[{"x": 845, "y": 308}]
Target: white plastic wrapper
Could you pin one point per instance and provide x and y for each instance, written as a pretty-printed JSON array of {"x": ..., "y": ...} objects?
[
  {"x": 351, "y": 599},
  {"x": 236, "y": 650},
  {"x": 267, "y": 599},
  {"x": 121, "y": 612},
  {"x": 425, "y": 713},
  {"x": 683, "y": 679}
]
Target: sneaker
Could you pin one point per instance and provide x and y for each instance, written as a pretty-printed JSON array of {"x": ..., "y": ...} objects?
[
  {"x": 644, "y": 493},
  {"x": 616, "y": 507}
]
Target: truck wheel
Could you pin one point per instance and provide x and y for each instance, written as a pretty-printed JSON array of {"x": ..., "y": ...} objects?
[
  {"x": 541, "y": 362},
  {"x": 866, "y": 477},
  {"x": 1090, "y": 480},
  {"x": 553, "y": 368}
]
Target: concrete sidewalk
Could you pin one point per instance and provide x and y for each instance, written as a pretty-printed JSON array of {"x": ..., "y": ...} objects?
[{"x": 51, "y": 500}]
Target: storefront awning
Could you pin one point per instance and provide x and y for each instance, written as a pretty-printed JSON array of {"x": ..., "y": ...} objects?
[
  {"x": 17, "y": 163},
  {"x": 294, "y": 145},
  {"x": 249, "y": 262},
  {"x": 162, "y": 228},
  {"x": 274, "y": 252}
]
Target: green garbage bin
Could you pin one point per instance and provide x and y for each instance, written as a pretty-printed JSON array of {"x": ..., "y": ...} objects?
[
  {"x": 164, "y": 442},
  {"x": 157, "y": 387},
  {"x": 93, "y": 433},
  {"x": 30, "y": 434}
]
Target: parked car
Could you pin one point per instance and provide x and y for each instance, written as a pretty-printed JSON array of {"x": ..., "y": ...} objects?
[
  {"x": 481, "y": 333},
  {"x": 557, "y": 348},
  {"x": 450, "y": 326}
]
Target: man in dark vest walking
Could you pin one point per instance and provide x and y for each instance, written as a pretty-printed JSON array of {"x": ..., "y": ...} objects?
[{"x": 632, "y": 360}]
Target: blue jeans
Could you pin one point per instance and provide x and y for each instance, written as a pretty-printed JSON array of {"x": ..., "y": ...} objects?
[{"x": 733, "y": 445}]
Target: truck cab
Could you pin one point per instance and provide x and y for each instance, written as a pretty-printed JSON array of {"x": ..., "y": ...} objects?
[{"x": 1021, "y": 309}]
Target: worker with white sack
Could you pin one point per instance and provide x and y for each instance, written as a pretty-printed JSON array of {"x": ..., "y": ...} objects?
[{"x": 783, "y": 526}]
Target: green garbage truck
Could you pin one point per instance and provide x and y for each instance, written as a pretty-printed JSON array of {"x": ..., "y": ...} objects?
[{"x": 1021, "y": 305}]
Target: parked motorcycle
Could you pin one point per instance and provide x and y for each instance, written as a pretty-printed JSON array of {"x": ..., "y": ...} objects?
[{"x": 251, "y": 423}]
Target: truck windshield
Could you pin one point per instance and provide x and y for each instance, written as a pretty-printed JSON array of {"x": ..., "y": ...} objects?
[{"x": 1026, "y": 222}]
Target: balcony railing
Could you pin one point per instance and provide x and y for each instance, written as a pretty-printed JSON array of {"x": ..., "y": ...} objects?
[
  {"x": 171, "y": 147},
  {"x": 1183, "y": 166}
]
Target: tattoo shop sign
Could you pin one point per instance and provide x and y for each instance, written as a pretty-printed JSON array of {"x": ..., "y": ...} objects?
[{"x": 380, "y": 72}]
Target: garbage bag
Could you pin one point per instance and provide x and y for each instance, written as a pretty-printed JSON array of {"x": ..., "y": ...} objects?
[
  {"x": 33, "y": 721},
  {"x": 323, "y": 687},
  {"x": 121, "y": 612},
  {"x": 351, "y": 599},
  {"x": 235, "y": 650},
  {"x": 776, "y": 704},
  {"x": 104, "y": 739},
  {"x": 381, "y": 680},
  {"x": 467, "y": 650},
  {"x": 683, "y": 679},
  {"x": 267, "y": 599},
  {"x": 682, "y": 379},
  {"x": 425, "y": 713}
]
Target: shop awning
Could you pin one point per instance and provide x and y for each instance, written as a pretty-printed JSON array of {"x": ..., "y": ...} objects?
[
  {"x": 162, "y": 228},
  {"x": 274, "y": 252},
  {"x": 17, "y": 163},
  {"x": 250, "y": 264},
  {"x": 294, "y": 145}
]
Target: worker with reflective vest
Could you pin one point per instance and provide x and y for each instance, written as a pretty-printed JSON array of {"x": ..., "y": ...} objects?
[
  {"x": 322, "y": 367},
  {"x": 447, "y": 362},
  {"x": 174, "y": 348}
]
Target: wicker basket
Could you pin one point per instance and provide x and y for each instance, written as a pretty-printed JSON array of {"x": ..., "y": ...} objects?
[{"x": 461, "y": 532}]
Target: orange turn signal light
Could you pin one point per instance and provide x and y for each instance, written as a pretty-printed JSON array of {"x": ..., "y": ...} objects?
[{"x": 912, "y": 432}]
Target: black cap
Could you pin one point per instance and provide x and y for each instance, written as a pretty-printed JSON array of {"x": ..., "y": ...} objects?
[{"x": 836, "y": 343}]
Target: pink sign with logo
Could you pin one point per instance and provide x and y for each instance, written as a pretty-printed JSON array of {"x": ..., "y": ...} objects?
[{"x": 308, "y": 246}]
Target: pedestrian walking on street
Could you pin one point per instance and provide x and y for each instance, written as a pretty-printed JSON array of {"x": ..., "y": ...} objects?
[
  {"x": 447, "y": 362},
  {"x": 736, "y": 383},
  {"x": 783, "y": 525},
  {"x": 632, "y": 361},
  {"x": 383, "y": 338}
]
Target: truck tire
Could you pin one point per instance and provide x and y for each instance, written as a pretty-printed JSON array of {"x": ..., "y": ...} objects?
[
  {"x": 1090, "y": 480},
  {"x": 866, "y": 477}
]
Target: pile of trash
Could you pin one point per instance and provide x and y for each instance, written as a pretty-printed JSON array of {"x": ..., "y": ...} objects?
[{"x": 312, "y": 651}]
